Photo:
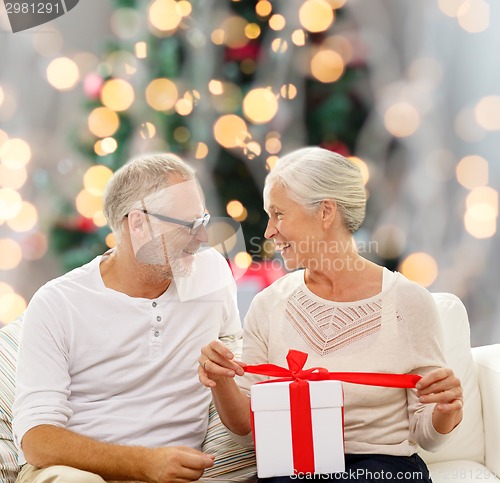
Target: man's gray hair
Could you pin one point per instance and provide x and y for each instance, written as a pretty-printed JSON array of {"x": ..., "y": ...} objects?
[
  {"x": 313, "y": 174},
  {"x": 138, "y": 179}
]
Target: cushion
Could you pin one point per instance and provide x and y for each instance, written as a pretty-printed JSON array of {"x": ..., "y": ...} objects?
[
  {"x": 232, "y": 461},
  {"x": 9, "y": 342},
  {"x": 468, "y": 442}
]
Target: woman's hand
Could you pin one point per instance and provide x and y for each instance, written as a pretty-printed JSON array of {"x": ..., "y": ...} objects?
[
  {"x": 442, "y": 387},
  {"x": 217, "y": 363}
]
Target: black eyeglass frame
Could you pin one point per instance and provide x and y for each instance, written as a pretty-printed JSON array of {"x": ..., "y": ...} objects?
[{"x": 194, "y": 226}]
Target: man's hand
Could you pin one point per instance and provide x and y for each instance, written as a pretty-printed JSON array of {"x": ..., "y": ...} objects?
[{"x": 176, "y": 464}]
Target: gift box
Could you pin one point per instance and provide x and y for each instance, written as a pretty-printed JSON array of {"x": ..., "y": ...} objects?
[
  {"x": 297, "y": 420},
  {"x": 309, "y": 441}
]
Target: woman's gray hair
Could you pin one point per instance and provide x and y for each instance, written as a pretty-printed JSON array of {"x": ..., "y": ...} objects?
[
  {"x": 312, "y": 175},
  {"x": 138, "y": 179}
]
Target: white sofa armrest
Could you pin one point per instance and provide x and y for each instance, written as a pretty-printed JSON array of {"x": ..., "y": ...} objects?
[{"x": 487, "y": 360}]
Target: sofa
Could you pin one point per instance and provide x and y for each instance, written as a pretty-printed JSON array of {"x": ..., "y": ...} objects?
[{"x": 473, "y": 454}]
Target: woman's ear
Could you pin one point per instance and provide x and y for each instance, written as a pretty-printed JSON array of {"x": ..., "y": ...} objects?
[{"x": 328, "y": 212}]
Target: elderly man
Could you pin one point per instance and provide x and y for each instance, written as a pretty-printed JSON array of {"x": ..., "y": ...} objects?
[{"x": 107, "y": 383}]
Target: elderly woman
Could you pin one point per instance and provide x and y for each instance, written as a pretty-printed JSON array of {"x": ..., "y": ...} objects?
[{"x": 348, "y": 314}]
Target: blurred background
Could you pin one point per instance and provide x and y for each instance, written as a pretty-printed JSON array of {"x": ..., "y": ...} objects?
[{"x": 410, "y": 91}]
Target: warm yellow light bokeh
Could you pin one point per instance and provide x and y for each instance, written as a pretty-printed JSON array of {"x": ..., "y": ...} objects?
[
  {"x": 263, "y": 8},
  {"x": 11, "y": 306},
  {"x": 402, "y": 119},
  {"x": 450, "y": 7},
  {"x": 327, "y": 65},
  {"x": 162, "y": 94},
  {"x": 252, "y": 31},
  {"x": 201, "y": 151},
  {"x": 363, "y": 167},
  {"x": 10, "y": 203},
  {"x": 252, "y": 149},
  {"x": 234, "y": 32},
  {"x": 12, "y": 178},
  {"x": 234, "y": 208},
  {"x": 472, "y": 172},
  {"x": 260, "y": 105},
  {"x": 480, "y": 219},
  {"x": 117, "y": 94},
  {"x": 185, "y": 8},
  {"x": 2, "y": 97},
  {"x": 26, "y": 219},
  {"x": 316, "y": 15},
  {"x": 488, "y": 113},
  {"x": 148, "y": 130},
  {"x": 110, "y": 240},
  {"x": 271, "y": 162},
  {"x": 277, "y": 22},
  {"x": 141, "y": 50},
  {"x": 87, "y": 204},
  {"x": 243, "y": 260},
  {"x": 96, "y": 178},
  {"x": 164, "y": 15},
  {"x": 99, "y": 219},
  {"x": 15, "y": 153},
  {"x": 230, "y": 131},
  {"x": 421, "y": 268},
  {"x": 103, "y": 122},
  {"x": 10, "y": 254},
  {"x": 299, "y": 37},
  {"x": 484, "y": 195},
  {"x": 63, "y": 73},
  {"x": 474, "y": 16},
  {"x": 217, "y": 36},
  {"x": 288, "y": 91},
  {"x": 216, "y": 87},
  {"x": 184, "y": 107},
  {"x": 5, "y": 288},
  {"x": 279, "y": 45}
]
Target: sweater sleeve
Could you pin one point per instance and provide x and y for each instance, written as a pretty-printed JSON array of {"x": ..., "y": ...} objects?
[
  {"x": 42, "y": 377},
  {"x": 425, "y": 343}
]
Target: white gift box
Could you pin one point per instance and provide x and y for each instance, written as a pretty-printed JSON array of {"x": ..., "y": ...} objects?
[{"x": 270, "y": 404}]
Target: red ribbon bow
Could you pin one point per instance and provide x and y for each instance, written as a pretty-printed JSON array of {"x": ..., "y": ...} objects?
[{"x": 300, "y": 401}]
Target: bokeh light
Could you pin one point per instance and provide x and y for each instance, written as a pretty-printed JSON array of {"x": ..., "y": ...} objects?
[
  {"x": 63, "y": 73},
  {"x": 87, "y": 204},
  {"x": 420, "y": 268},
  {"x": 243, "y": 260},
  {"x": 488, "y": 113},
  {"x": 117, "y": 94},
  {"x": 164, "y": 15},
  {"x": 402, "y": 119},
  {"x": 147, "y": 130},
  {"x": 263, "y": 8},
  {"x": 327, "y": 65},
  {"x": 230, "y": 131},
  {"x": 252, "y": 31},
  {"x": 96, "y": 178},
  {"x": 15, "y": 153},
  {"x": 235, "y": 208},
  {"x": 110, "y": 240},
  {"x": 234, "y": 32},
  {"x": 10, "y": 203},
  {"x": 11, "y": 306},
  {"x": 141, "y": 50},
  {"x": 480, "y": 219},
  {"x": 277, "y": 22},
  {"x": 299, "y": 37},
  {"x": 450, "y": 7},
  {"x": 472, "y": 171},
  {"x": 26, "y": 218},
  {"x": 1, "y": 95},
  {"x": 182, "y": 134},
  {"x": 363, "y": 167},
  {"x": 288, "y": 91},
  {"x": 103, "y": 122},
  {"x": 260, "y": 105},
  {"x": 10, "y": 254},
  {"x": 474, "y": 16},
  {"x": 316, "y": 15},
  {"x": 162, "y": 94},
  {"x": 201, "y": 151},
  {"x": 12, "y": 178}
]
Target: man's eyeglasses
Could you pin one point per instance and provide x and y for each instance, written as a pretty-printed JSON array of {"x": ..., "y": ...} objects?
[{"x": 194, "y": 226}]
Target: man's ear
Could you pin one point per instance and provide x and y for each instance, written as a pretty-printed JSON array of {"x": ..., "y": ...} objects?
[
  {"x": 328, "y": 212},
  {"x": 137, "y": 224}
]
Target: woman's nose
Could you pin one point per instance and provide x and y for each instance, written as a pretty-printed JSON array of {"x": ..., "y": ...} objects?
[{"x": 270, "y": 230}]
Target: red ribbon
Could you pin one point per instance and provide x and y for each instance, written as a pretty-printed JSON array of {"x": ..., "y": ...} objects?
[{"x": 300, "y": 402}]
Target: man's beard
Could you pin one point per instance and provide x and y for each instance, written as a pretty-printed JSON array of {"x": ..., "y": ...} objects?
[{"x": 162, "y": 261}]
